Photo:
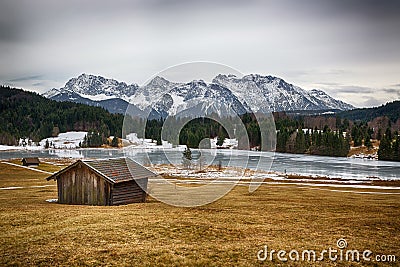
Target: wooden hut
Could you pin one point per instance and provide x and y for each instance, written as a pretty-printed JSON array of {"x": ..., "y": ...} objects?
[
  {"x": 30, "y": 161},
  {"x": 102, "y": 182}
]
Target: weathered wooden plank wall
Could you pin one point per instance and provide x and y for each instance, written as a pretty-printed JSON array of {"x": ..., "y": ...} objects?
[
  {"x": 83, "y": 186},
  {"x": 129, "y": 192}
]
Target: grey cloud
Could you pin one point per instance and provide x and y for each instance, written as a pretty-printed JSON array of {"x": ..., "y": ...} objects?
[
  {"x": 26, "y": 78},
  {"x": 7, "y": 31},
  {"x": 361, "y": 96},
  {"x": 331, "y": 72},
  {"x": 9, "y": 28},
  {"x": 332, "y": 84},
  {"x": 392, "y": 91},
  {"x": 371, "y": 102},
  {"x": 343, "y": 40},
  {"x": 337, "y": 72},
  {"x": 354, "y": 89},
  {"x": 370, "y": 10},
  {"x": 174, "y": 4}
]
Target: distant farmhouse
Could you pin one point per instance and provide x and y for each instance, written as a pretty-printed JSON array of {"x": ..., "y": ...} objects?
[
  {"x": 103, "y": 182},
  {"x": 30, "y": 161}
]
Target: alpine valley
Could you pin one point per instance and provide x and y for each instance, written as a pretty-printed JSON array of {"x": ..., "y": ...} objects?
[{"x": 225, "y": 93}]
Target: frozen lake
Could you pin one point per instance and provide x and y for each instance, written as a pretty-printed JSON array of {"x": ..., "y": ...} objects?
[{"x": 347, "y": 168}]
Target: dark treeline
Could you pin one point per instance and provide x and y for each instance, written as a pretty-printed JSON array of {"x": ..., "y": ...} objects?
[
  {"x": 291, "y": 138},
  {"x": 390, "y": 110},
  {"x": 316, "y": 142},
  {"x": 29, "y": 115},
  {"x": 195, "y": 130},
  {"x": 317, "y": 135},
  {"x": 312, "y": 135},
  {"x": 389, "y": 148},
  {"x": 333, "y": 135},
  {"x": 380, "y": 123},
  {"x": 96, "y": 139},
  {"x": 200, "y": 128}
]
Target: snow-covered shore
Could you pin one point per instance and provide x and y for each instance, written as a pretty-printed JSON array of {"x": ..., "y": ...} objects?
[
  {"x": 67, "y": 140},
  {"x": 72, "y": 140},
  {"x": 178, "y": 174}
]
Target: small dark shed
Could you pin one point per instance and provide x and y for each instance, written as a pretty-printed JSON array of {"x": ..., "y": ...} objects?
[
  {"x": 102, "y": 182},
  {"x": 30, "y": 161}
]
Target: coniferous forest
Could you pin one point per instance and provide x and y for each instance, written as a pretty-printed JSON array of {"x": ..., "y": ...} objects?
[
  {"x": 300, "y": 135},
  {"x": 389, "y": 148},
  {"x": 29, "y": 115}
]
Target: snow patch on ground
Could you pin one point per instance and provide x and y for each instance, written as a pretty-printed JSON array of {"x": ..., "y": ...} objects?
[
  {"x": 179, "y": 175},
  {"x": 66, "y": 140},
  {"x": 23, "y": 144},
  {"x": 98, "y": 97},
  {"x": 228, "y": 143},
  {"x": 134, "y": 141},
  {"x": 5, "y": 147}
]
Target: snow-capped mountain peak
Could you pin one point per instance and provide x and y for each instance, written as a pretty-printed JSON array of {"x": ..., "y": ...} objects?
[
  {"x": 52, "y": 93},
  {"x": 158, "y": 81},
  {"x": 151, "y": 92},
  {"x": 250, "y": 93},
  {"x": 269, "y": 93},
  {"x": 99, "y": 88},
  {"x": 330, "y": 101}
]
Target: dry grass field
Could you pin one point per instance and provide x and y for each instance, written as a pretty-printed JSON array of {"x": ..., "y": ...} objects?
[{"x": 228, "y": 232}]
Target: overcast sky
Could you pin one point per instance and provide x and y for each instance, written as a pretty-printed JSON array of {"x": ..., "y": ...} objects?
[{"x": 349, "y": 48}]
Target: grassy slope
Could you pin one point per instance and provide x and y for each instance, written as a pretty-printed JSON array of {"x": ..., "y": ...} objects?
[{"x": 227, "y": 232}]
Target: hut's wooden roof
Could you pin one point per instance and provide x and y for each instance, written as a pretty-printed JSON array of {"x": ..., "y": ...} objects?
[
  {"x": 115, "y": 170},
  {"x": 32, "y": 160}
]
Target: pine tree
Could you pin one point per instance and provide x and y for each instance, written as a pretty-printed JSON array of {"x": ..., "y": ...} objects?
[
  {"x": 281, "y": 140},
  {"x": 192, "y": 141},
  {"x": 114, "y": 142},
  {"x": 159, "y": 141},
  {"x": 368, "y": 143},
  {"x": 379, "y": 134},
  {"x": 187, "y": 158},
  {"x": 220, "y": 140},
  {"x": 85, "y": 141},
  {"x": 338, "y": 123},
  {"x": 385, "y": 149},
  {"x": 47, "y": 144},
  {"x": 300, "y": 143},
  {"x": 396, "y": 149},
  {"x": 388, "y": 133}
]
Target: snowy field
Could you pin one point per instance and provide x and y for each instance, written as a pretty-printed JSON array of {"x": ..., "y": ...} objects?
[
  {"x": 66, "y": 140},
  {"x": 71, "y": 140},
  {"x": 6, "y": 148},
  {"x": 133, "y": 140}
]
